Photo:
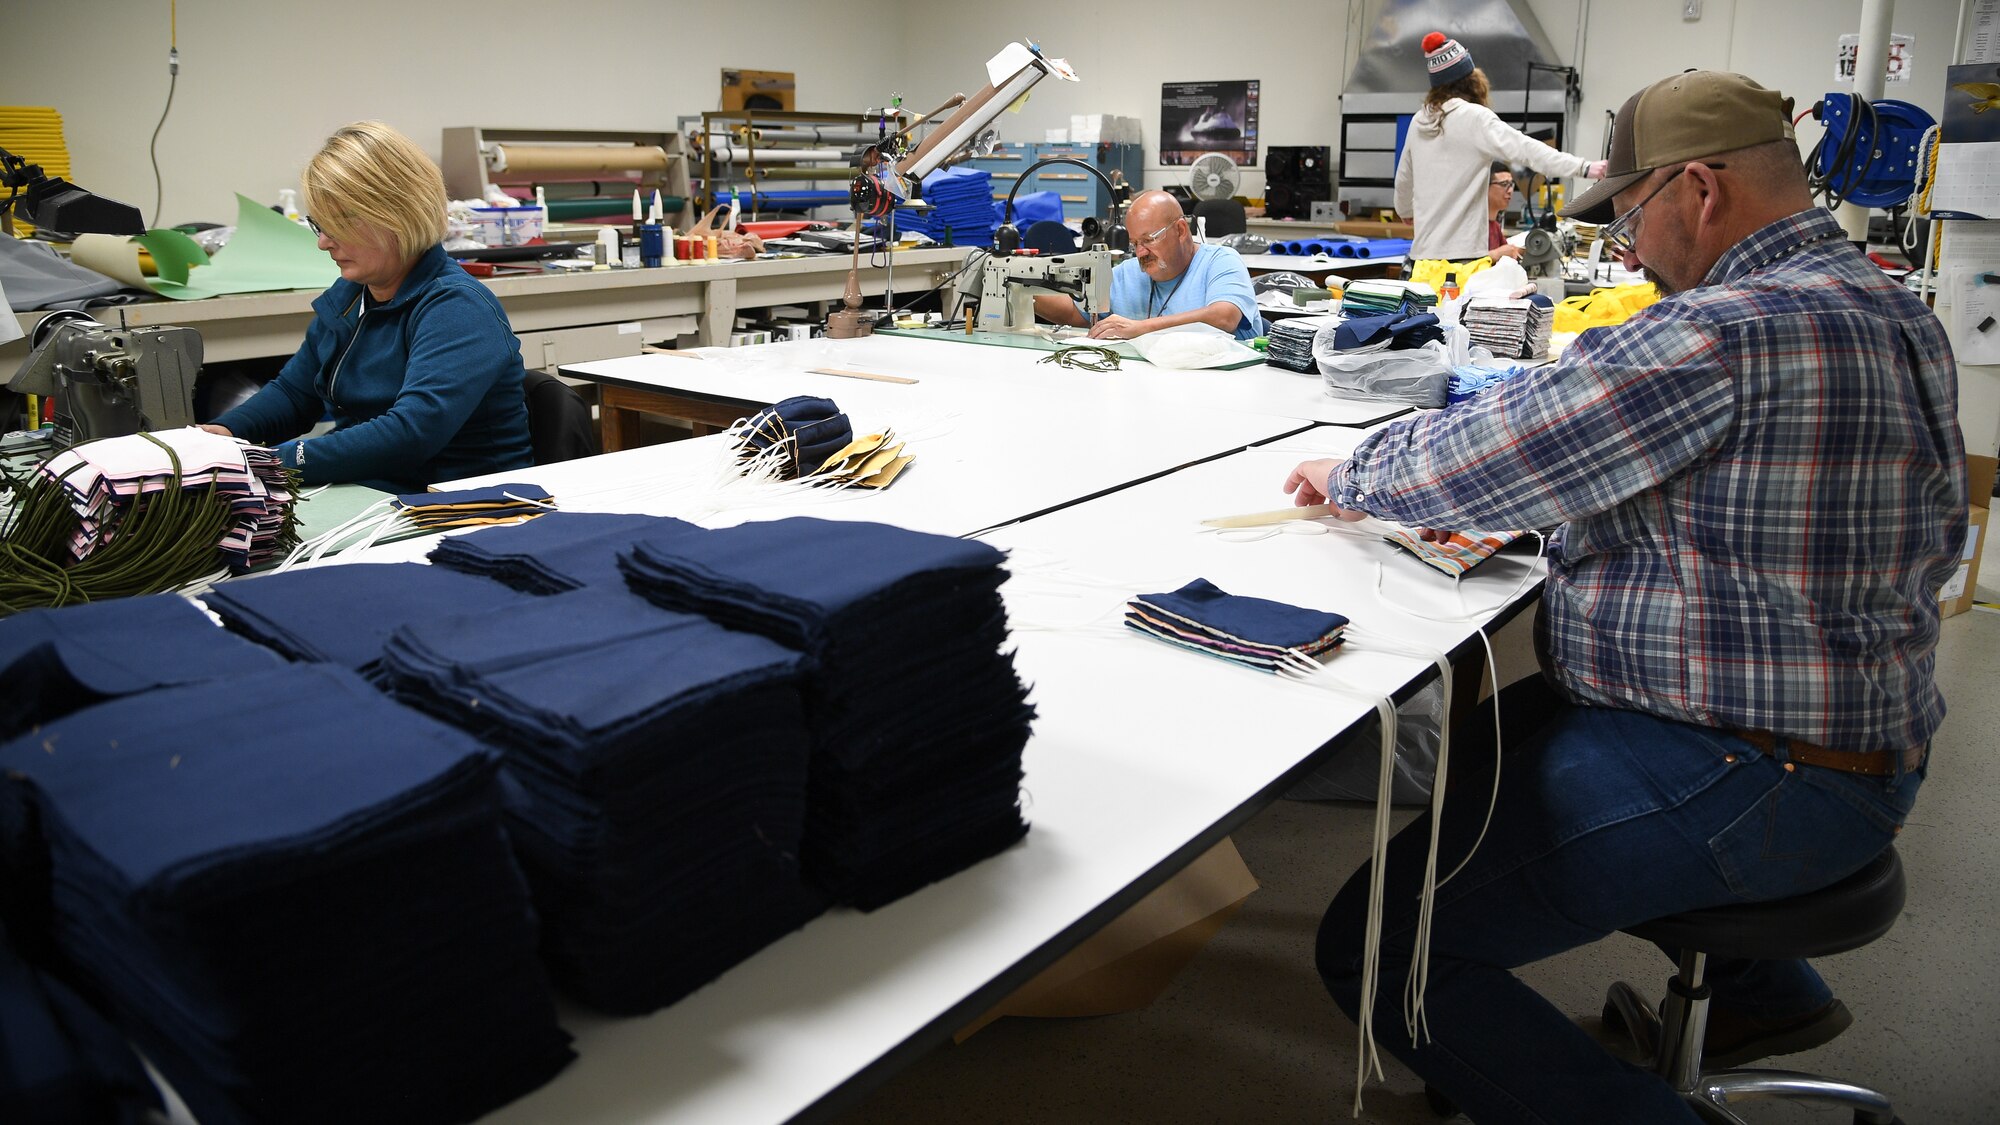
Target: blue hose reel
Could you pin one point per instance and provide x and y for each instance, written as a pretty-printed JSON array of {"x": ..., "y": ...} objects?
[{"x": 1868, "y": 157}]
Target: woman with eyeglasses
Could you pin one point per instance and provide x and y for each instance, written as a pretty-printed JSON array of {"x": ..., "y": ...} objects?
[
  {"x": 1499, "y": 193},
  {"x": 1453, "y": 141},
  {"x": 414, "y": 359}
]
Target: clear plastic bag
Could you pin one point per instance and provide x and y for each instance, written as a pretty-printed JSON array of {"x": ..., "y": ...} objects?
[
  {"x": 1191, "y": 346},
  {"x": 1419, "y": 376},
  {"x": 1352, "y": 774}
]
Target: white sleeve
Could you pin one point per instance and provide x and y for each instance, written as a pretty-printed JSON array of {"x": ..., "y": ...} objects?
[
  {"x": 1406, "y": 182},
  {"x": 1518, "y": 149}
]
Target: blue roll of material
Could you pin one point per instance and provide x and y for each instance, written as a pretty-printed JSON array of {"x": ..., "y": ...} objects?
[
  {"x": 1381, "y": 248},
  {"x": 1278, "y": 248}
]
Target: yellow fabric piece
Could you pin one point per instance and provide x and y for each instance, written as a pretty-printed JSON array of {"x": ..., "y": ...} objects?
[
  {"x": 1431, "y": 271},
  {"x": 1601, "y": 308}
]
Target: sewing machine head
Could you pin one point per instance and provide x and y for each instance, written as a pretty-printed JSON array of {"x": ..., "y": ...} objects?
[
  {"x": 1009, "y": 283},
  {"x": 107, "y": 381}
]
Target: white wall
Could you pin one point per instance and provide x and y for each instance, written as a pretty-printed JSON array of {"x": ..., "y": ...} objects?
[{"x": 261, "y": 84}]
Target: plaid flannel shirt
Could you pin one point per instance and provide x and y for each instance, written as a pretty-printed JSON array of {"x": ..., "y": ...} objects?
[{"x": 1761, "y": 486}]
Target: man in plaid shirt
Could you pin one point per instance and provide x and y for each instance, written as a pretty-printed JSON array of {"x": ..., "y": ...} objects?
[{"x": 1760, "y": 482}]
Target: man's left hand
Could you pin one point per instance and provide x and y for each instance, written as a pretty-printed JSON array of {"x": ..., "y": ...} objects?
[
  {"x": 1307, "y": 486},
  {"x": 1115, "y": 327}
]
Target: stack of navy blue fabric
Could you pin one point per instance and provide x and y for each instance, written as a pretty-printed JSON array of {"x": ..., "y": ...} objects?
[
  {"x": 60, "y": 1061},
  {"x": 54, "y": 661},
  {"x": 550, "y": 554},
  {"x": 344, "y": 614},
  {"x": 656, "y": 768},
  {"x": 918, "y": 718},
  {"x": 295, "y": 895},
  {"x": 961, "y": 198}
]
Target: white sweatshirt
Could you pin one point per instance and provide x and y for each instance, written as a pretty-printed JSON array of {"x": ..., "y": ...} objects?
[{"x": 1442, "y": 177}]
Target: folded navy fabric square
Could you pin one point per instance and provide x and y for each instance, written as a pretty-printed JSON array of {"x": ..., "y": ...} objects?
[
  {"x": 344, "y": 614},
  {"x": 1252, "y": 631},
  {"x": 1361, "y": 331},
  {"x": 555, "y": 552},
  {"x": 54, "y": 661}
]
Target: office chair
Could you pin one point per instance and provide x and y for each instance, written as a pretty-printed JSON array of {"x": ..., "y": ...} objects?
[
  {"x": 559, "y": 423},
  {"x": 1049, "y": 238},
  {"x": 1225, "y": 216}
]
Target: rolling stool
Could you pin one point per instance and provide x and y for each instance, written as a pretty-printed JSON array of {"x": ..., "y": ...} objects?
[{"x": 1834, "y": 919}]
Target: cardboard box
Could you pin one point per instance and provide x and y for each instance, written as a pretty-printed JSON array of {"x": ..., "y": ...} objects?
[
  {"x": 1959, "y": 593},
  {"x": 1128, "y": 963}
]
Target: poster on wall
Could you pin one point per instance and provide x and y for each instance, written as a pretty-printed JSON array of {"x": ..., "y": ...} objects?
[{"x": 1204, "y": 117}]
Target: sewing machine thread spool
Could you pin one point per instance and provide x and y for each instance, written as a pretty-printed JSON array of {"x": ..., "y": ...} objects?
[{"x": 652, "y": 244}]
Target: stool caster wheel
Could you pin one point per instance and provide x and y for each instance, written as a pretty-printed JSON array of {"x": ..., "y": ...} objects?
[
  {"x": 1440, "y": 1104},
  {"x": 1614, "y": 1020}
]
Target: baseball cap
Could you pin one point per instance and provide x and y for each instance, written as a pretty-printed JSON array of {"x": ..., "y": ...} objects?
[{"x": 1686, "y": 117}]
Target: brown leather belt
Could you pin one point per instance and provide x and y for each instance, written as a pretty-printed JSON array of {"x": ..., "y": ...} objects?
[{"x": 1871, "y": 763}]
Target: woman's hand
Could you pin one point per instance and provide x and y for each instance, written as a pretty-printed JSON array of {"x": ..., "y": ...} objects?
[
  {"x": 214, "y": 429},
  {"x": 1508, "y": 251},
  {"x": 1597, "y": 169}
]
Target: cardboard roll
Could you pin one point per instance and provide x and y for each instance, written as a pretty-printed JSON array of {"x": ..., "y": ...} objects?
[{"x": 576, "y": 162}]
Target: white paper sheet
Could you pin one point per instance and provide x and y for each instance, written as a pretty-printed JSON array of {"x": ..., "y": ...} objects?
[{"x": 1976, "y": 315}]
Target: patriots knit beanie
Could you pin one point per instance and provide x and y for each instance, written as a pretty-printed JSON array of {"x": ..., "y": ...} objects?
[{"x": 1446, "y": 60}]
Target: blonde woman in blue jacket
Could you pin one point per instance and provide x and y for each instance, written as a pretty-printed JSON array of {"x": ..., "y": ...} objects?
[{"x": 414, "y": 359}]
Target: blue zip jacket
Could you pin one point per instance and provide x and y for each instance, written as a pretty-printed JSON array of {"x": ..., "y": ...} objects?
[{"x": 423, "y": 388}]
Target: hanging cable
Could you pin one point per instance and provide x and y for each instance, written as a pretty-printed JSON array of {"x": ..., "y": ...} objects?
[{"x": 173, "y": 79}]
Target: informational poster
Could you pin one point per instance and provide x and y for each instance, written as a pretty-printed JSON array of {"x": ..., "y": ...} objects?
[
  {"x": 1899, "y": 59},
  {"x": 1204, "y": 117}
]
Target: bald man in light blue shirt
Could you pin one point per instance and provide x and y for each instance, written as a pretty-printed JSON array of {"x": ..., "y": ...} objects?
[{"x": 1169, "y": 280}]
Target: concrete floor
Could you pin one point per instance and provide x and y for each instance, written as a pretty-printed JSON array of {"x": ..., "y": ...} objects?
[{"x": 1246, "y": 1034}]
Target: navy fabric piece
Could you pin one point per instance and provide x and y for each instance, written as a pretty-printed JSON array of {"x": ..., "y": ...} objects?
[
  {"x": 344, "y": 614},
  {"x": 552, "y": 553},
  {"x": 762, "y": 567},
  {"x": 918, "y": 717},
  {"x": 321, "y": 927},
  {"x": 1360, "y": 331},
  {"x": 1253, "y": 619},
  {"x": 54, "y": 661},
  {"x": 491, "y": 494},
  {"x": 61, "y": 1061},
  {"x": 656, "y": 771}
]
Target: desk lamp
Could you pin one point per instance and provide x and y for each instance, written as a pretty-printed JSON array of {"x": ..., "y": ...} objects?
[
  {"x": 54, "y": 204},
  {"x": 881, "y": 186}
]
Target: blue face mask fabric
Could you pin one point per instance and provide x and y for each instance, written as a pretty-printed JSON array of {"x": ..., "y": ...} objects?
[
  {"x": 319, "y": 924},
  {"x": 918, "y": 716},
  {"x": 63, "y": 1060},
  {"x": 344, "y": 614},
  {"x": 552, "y": 554},
  {"x": 656, "y": 773},
  {"x": 811, "y": 429},
  {"x": 55, "y": 661}
]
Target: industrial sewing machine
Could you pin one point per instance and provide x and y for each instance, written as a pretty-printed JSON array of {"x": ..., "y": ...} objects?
[
  {"x": 108, "y": 381},
  {"x": 1008, "y": 285}
]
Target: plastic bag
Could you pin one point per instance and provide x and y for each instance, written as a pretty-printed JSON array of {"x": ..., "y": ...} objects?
[
  {"x": 1190, "y": 346},
  {"x": 1419, "y": 376},
  {"x": 1352, "y": 774}
]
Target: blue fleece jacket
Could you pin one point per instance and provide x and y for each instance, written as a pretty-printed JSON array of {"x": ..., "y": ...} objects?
[{"x": 423, "y": 388}]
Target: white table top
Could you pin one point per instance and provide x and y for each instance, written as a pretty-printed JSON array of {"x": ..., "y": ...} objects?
[
  {"x": 975, "y": 373},
  {"x": 1138, "y": 763}
]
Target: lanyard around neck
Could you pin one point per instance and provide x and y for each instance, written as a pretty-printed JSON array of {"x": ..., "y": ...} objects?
[{"x": 1150, "y": 311}]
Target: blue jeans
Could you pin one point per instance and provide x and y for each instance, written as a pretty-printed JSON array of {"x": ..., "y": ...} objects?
[{"x": 1606, "y": 818}]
